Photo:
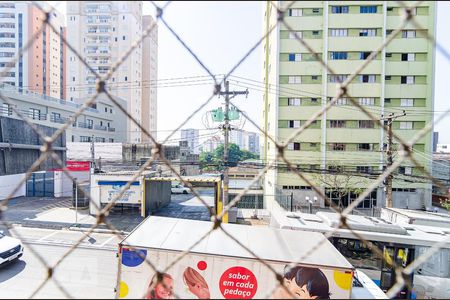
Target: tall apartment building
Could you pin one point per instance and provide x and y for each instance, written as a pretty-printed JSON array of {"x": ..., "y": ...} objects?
[
  {"x": 253, "y": 142},
  {"x": 344, "y": 139},
  {"x": 149, "y": 78},
  {"x": 192, "y": 138},
  {"x": 103, "y": 31},
  {"x": 41, "y": 68}
]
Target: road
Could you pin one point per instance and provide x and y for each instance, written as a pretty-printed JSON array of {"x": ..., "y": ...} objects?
[
  {"x": 187, "y": 206},
  {"x": 88, "y": 272}
]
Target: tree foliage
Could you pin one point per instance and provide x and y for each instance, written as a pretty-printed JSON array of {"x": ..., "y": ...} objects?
[{"x": 213, "y": 161}]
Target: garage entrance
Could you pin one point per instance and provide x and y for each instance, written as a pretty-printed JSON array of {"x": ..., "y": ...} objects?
[{"x": 163, "y": 200}]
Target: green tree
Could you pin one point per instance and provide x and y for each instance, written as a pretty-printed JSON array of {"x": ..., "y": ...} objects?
[{"x": 214, "y": 160}]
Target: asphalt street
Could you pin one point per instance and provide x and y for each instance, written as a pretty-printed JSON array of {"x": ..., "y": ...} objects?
[{"x": 88, "y": 272}]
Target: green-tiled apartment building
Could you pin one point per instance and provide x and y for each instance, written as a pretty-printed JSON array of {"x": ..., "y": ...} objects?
[{"x": 343, "y": 34}]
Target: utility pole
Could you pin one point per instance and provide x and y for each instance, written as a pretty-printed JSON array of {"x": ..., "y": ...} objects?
[
  {"x": 226, "y": 128},
  {"x": 389, "y": 152}
]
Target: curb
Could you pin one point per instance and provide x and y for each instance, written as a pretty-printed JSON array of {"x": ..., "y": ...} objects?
[{"x": 97, "y": 230}]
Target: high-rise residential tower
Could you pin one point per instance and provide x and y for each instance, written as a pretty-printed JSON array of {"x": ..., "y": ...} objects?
[
  {"x": 344, "y": 140},
  {"x": 103, "y": 31}
]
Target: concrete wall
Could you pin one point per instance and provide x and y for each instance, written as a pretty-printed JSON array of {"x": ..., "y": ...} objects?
[
  {"x": 8, "y": 183},
  {"x": 82, "y": 151},
  {"x": 16, "y": 161},
  {"x": 64, "y": 184}
]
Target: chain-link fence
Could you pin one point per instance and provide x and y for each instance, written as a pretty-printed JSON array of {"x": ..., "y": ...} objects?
[{"x": 280, "y": 8}]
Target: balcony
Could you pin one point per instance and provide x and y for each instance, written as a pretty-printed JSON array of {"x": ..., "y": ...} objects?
[
  {"x": 84, "y": 125},
  {"x": 100, "y": 127},
  {"x": 111, "y": 129},
  {"x": 55, "y": 119}
]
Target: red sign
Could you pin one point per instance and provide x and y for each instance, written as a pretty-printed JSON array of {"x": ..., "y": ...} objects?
[
  {"x": 238, "y": 283},
  {"x": 74, "y": 165}
]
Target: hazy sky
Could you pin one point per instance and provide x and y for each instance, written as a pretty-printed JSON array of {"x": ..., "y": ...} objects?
[{"x": 220, "y": 33}]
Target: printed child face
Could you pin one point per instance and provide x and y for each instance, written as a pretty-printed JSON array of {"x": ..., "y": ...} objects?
[
  {"x": 164, "y": 289},
  {"x": 298, "y": 292}
]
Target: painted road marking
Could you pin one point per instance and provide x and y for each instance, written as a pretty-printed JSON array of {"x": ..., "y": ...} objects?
[
  {"x": 48, "y": 235},
  {"x": 108, "y": 240}
]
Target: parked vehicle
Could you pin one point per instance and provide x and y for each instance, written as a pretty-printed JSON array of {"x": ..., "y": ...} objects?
[
  {"x": 218, "y": 267},
  {"x": 10, "y": 248},
  {"x": 180, "y": 189}
]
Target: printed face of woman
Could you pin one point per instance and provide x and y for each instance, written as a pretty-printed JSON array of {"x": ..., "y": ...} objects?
[
  {"x": 163, "y": 290},
  {"x": 199, "y": 291}
]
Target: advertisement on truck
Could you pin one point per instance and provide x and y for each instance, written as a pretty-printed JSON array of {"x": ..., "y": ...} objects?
[
  {"x": 212, "y": 274},
  {"x": 205, "y": 277}
]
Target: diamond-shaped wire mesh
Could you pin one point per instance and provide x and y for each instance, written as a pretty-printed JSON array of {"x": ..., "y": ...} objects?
[{"x": 281, "y": 8}]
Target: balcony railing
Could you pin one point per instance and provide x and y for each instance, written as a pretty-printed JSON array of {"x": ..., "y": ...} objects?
[
  {"x": 5, "y": 111},
  {"x": 100, "y": 127},
  {"x": 84, "y": 125},
  {"x": 59, "y": 120},
  {"x": 111, "y": 129}
]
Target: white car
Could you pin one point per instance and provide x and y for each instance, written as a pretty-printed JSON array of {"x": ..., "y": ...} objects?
[
  {"x": 180, "y": 189},
  {"x": 10, "y": 248}
]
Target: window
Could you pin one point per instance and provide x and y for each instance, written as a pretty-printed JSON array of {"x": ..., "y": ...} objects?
[
  {"x": 363, "y": 169},
  {"x": 368, "y": 9},
  {"x": 367, "y": 101},
  {"x": 387, "y": 100},
  {"x": 387, "y": 77},
  {"x": 6, "y": 110},
  {"x": 293, "y": 146},
  {"x": 339, "y": 9},
  {"x": 390, "y": 9},
  {"x": 316, "y": 10},
  {"x": 106, "y": 109},
  {"x": 35, "y": 114},
  {"x": 115, "y": 39},
  {"x": 90, "y": 123},
  {"x": 407, "y": 79},
  {"x": 315, "y": 32},
  {"x": 123, "y": 38},
  {"x": 405, "y": 170},
  {"x": 313, "y": 145},
  {"x": 388, "y": 54},
  {"x": 338, "y": 55},
  {"x": 314, "y": 77},
  {"x": 338, "y": 32},
  {"x": 364, "y": 55},
  {"x": 336, "y": 169},
  {"x": 293, "y": 101},
  {"x": 337, "y": 124},
  {"x": 365, "y": 147},
  {"x": 294, "y": 79},
  {"x": 366, "y": 124},
  {"x": 314, "y": 100},
  {"x": 126, "y": 78},
  {"x": 295, "y": 12},
  {"x": 295, "y": 56},
  {"x": 338, "y": 78},
  {"x": 341, "y": 101},
  {"x": 367, "y": 78},
  {"x": 85, "y": 138},
  {"x": 294, "y": 124},
  {"x": 337, "y": 147},
  {"x": 73, "y": 78},
  {"x": 406, "y": 125},
  {"x": 368, "y": 32},
  {"x": 293, "y": 33},
  {"x": 406, "y": 34},
  {"x": 407, "y": 102},
  {"x": 408, "y": 56}
]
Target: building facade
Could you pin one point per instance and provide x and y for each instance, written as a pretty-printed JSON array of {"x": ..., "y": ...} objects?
[
  {"x": 253, "y": 142},
  {"x": 41, "y": 68},
  {"x": 103, "y": 32},
  {"x": 344, "y": 139},
  {"x": 101, "y": 124},
  {"x": 149, "y": 78},
  {"x": 443, "y": 148},
  {"x": 191, "y": 136}
]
